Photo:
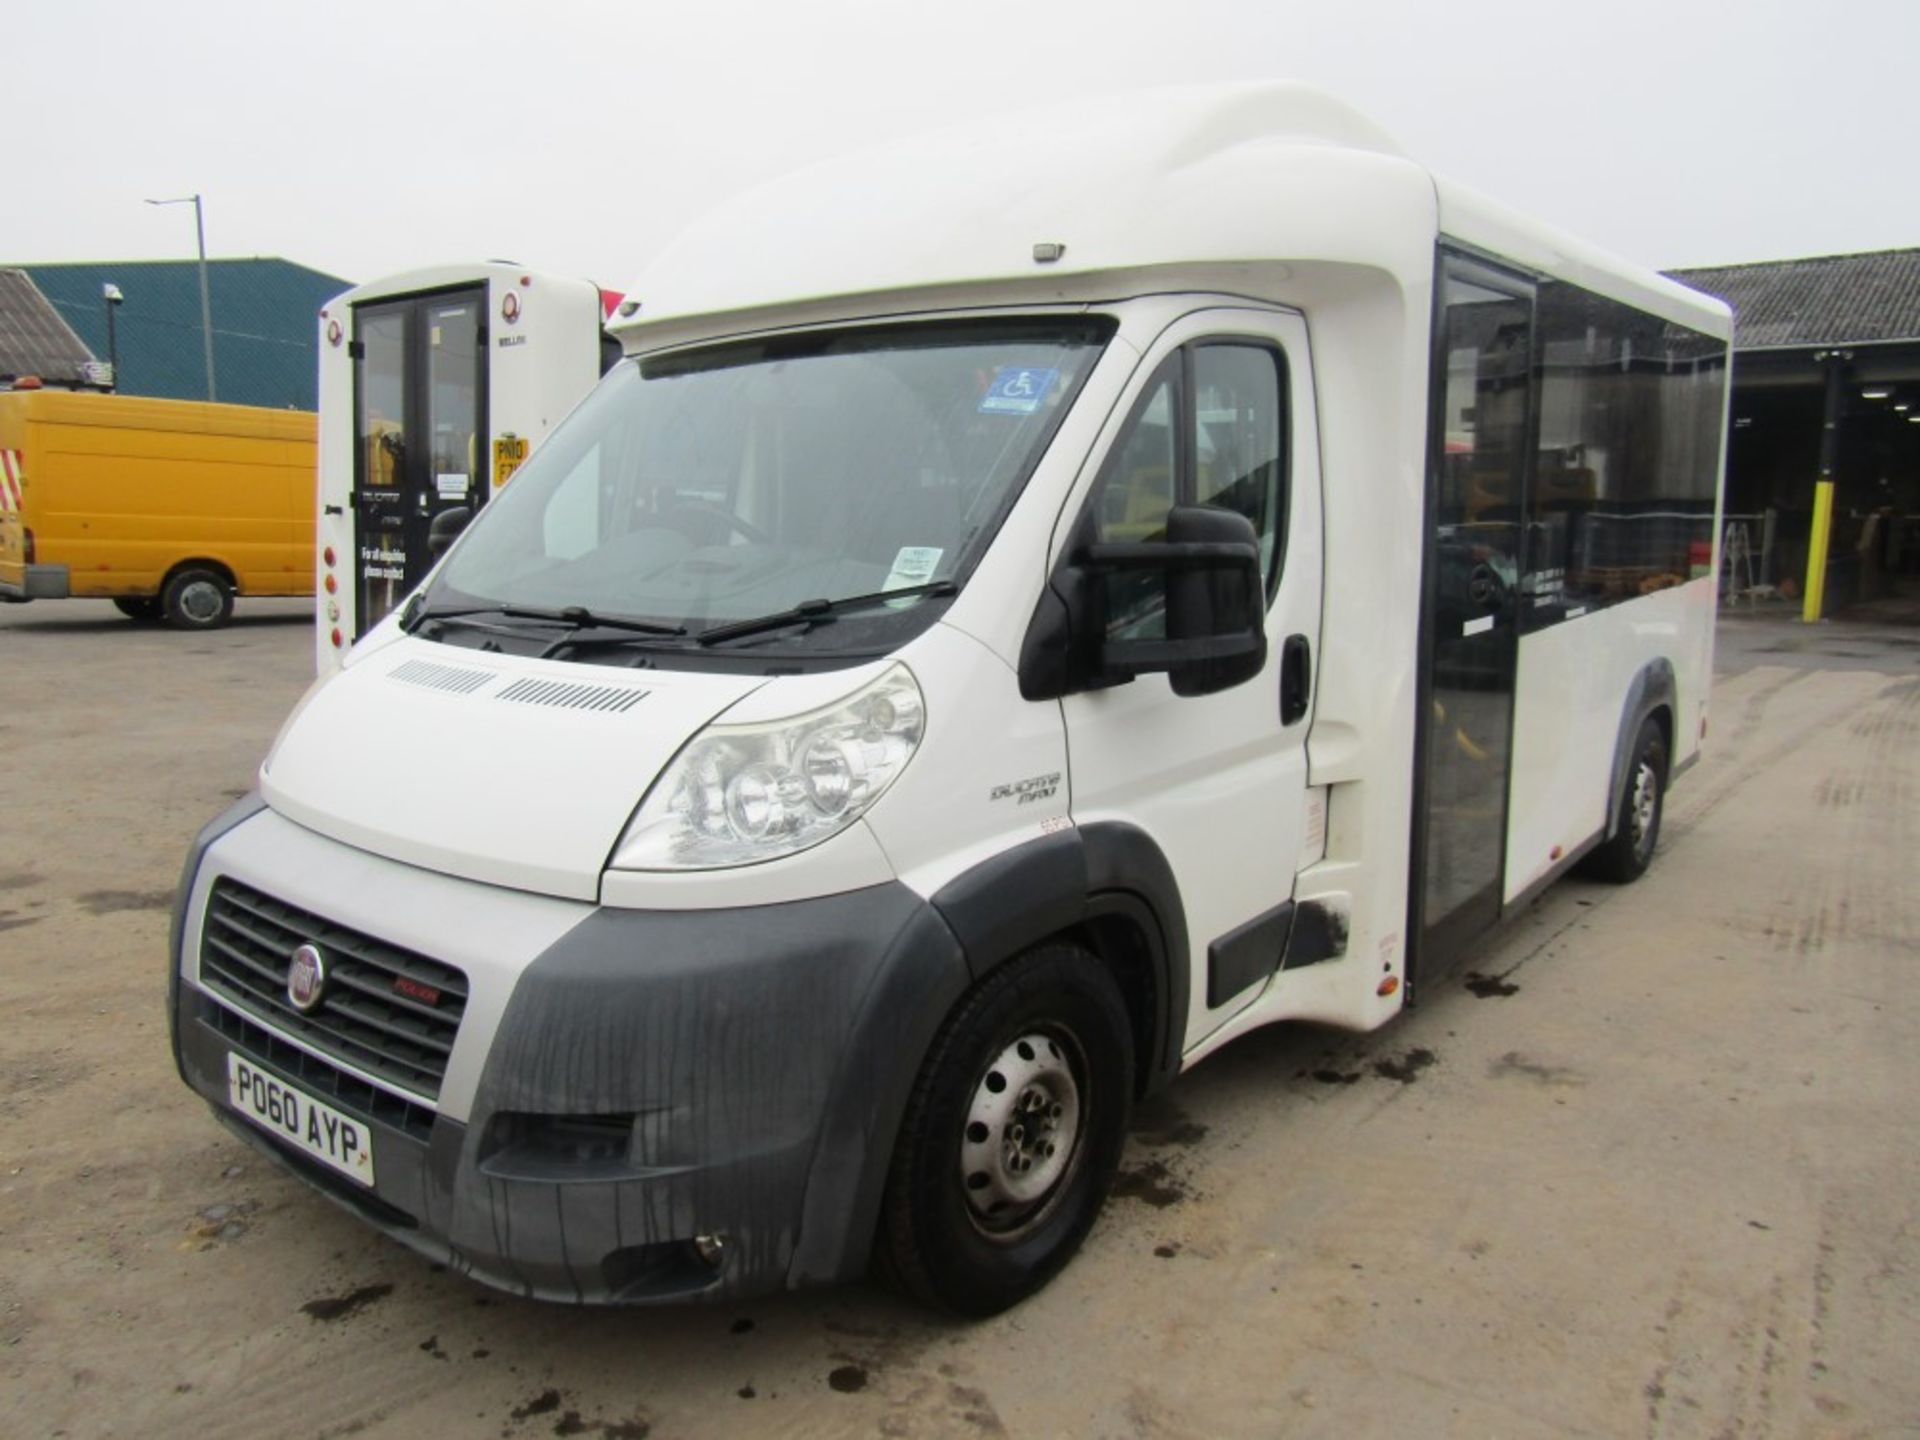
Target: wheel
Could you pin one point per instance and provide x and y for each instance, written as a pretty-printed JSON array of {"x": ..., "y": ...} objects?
[
  {"x": 138, "y": 607},
  {"x": 197, "y": 599},
  {"x": 1636, "y": 829},
  {"x": 1012, "y": 1135}
]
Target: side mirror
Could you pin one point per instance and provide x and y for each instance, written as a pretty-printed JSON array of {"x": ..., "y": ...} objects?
[
  {"x": 1215, "y": 617},
  {"x": 445, "y": 527},
  {"x": 1197, "y": 610}
]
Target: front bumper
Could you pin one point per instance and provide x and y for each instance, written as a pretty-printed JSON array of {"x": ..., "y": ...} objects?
[{"x": 651, "y": 1077}]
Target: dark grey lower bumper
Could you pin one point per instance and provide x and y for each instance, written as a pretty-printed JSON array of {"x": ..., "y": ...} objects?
[
  {"x": 40, "y": 582},
  {"x": 657, "y": 1077}
]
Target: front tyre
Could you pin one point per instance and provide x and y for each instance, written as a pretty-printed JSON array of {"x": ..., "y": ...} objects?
[
  {"x": 1636, "y": 828},
  {"x": 1012, "y": 1135}
]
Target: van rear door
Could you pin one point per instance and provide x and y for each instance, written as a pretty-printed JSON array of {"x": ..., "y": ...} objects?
[
  {"x": 420, "y": 430},
  {"x": 13, "y": 523},
  {"x": 1222, "y": 414}
]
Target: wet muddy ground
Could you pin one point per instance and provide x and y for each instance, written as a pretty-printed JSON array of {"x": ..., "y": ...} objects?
[{"x": 1645, "y": 1167}]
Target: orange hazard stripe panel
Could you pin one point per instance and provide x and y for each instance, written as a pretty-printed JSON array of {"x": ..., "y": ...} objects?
[{"x": 10, "y": 481}]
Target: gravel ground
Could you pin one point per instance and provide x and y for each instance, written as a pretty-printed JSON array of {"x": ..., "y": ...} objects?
[{"x": 1645, "y": 1167}]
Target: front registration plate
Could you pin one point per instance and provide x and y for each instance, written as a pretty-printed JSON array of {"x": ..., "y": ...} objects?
[{"x": 333, "y": 1139}]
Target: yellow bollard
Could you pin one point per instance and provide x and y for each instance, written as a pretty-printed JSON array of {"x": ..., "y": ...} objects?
[{"x": 1817, "y": 550}]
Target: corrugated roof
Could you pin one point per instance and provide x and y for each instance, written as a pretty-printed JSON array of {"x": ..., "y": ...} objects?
[
  {"x": 34, "y": 340},
  {"x": 265, "y": 337},
  {"x": 1824, "y": 300}
]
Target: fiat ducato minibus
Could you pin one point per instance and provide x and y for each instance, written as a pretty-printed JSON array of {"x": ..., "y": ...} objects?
[{"x": 1099, "y": 584}]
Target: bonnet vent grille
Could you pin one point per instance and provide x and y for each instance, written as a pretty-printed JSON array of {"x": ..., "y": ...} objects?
[
  {"x": 568, "y": 696},
  {"x": 456, "y": 678}
]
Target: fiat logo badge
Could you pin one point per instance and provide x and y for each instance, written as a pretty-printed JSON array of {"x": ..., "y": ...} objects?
[{"x": 306, "y": 978}]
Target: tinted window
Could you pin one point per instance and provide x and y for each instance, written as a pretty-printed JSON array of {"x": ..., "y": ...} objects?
[
  {"x": 1629, "y": 439},
  {"x": 1210, "y": 430},
  {"x": 1236, "y": 440}
]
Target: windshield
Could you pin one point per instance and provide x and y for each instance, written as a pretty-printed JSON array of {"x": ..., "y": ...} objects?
[{"x": 739, "y": 482}]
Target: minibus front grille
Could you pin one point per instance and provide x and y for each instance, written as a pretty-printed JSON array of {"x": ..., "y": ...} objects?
[
  {"x": 315, "y": 1075},
  {"x": 386, "y": 1012}
]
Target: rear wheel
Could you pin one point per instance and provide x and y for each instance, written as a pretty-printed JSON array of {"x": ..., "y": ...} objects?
[
  {"x": 1636, "y": 828},
  {"x": 138, "y": 607},
  {"x": 1012, "y": 1134},
  {"x": 197, "y": 599}
]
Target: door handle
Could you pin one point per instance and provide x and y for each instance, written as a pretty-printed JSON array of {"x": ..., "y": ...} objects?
[{"x": 1296, "y": 678}]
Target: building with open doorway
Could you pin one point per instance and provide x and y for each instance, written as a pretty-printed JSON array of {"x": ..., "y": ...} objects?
[{"x": 1828, "y": 341}]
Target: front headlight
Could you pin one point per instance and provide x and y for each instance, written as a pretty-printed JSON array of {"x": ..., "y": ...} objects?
[{"x": 739, "y": 794}]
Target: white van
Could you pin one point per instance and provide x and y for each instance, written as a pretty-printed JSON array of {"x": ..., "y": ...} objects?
[{"x": 1098, "y": 584}]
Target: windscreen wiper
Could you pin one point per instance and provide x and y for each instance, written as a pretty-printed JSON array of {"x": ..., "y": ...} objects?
[
  {"x": 815, "y": 612},
  {"x": 575, "y": 617}
]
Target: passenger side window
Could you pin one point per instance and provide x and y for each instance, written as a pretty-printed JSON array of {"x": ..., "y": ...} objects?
[
  {"x": 1136, "y": 487},
  {"x": 1237, "y": 439},
  {"x": 1627, "y": 459},
  {"x": 1209, "y": 430}
]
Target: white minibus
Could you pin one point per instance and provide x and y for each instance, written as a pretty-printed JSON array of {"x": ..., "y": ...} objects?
[
  {"x": 1101, "y": 582},
  {"x": 435, "y": 385}
]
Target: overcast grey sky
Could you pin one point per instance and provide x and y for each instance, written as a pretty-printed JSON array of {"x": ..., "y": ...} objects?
[{"x": 366, "y": 136}]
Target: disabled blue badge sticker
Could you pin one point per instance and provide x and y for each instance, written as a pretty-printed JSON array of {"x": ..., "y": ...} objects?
[{"x": 1017, "y": 390}]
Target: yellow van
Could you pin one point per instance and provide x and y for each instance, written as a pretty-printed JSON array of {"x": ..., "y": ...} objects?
[{"x": 168, "y": 508}]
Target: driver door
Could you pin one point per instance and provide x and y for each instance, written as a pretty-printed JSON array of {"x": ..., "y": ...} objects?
[{"x": 1222, "y": 414}]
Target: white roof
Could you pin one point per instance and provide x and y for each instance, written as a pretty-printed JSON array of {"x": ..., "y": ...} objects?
[
  {"x": 1469, "y": 216},
  {"x": 446, "y": 277},
  {"x": 1216, "y": 187}
]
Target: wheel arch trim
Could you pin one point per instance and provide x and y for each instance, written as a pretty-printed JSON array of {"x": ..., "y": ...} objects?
[
  {"x": 1108, "y": 883},
  {"x": 227, "y": 572},
  {"x": 1651, "y": 691}
]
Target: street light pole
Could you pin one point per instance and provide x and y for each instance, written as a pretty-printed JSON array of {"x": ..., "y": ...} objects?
[{"x": 206, "y": 303}]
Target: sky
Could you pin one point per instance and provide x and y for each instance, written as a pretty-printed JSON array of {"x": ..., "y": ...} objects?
[{"x": 578, "y": 136}]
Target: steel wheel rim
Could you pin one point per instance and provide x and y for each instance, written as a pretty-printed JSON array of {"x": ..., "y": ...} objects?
[
  {"x": 1023, "y": 1135},
  {"x": 1646, "y": 803},
  {"x": 200, "y": 601}
]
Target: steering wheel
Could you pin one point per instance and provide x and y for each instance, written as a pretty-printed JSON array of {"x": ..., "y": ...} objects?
[{"x": 732, "y": 521}]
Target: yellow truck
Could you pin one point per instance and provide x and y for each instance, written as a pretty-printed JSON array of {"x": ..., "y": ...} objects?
[{"x": 168, "y": 508}]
